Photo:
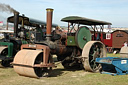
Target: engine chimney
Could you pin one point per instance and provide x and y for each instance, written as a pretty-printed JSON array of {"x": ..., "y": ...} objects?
[
  {"x": 49, "y": 23},
  {"x": 16, "y": 21}
]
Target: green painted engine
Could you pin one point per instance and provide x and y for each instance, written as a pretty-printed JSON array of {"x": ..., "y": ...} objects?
[
  {"x": 11, "y": 43},
  {"x": 8, "y": 49}
]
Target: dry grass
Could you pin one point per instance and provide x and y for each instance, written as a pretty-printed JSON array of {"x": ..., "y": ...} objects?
[
  {"x": 60, "y": 76},
  {"x": 113, "y": 55}
]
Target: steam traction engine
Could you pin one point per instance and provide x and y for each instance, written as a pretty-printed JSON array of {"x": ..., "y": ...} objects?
[
  {"x": 73, "y": 48},
  {"x": 11, "y": 42}
]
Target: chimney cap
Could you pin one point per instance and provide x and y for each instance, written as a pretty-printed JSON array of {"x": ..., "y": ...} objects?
[
  {"x": 16, "y": 12},
  {"x": 49, "y": 9}
]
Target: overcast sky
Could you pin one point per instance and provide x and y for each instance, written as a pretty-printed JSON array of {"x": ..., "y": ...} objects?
[{"x": 114, "y": 11}]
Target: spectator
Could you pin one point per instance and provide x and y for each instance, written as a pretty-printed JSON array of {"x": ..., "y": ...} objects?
[{"x": 125, "y": 44}]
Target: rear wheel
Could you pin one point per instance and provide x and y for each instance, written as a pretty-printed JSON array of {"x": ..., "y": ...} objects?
[{"x": 91, "y": 51}]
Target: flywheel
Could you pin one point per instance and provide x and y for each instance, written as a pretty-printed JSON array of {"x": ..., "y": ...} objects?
[
  {"x": 82, "y": 36},
  {"x": 91, "y": 51}
]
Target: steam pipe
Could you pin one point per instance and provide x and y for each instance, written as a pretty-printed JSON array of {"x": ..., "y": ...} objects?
[
  {"x": 16, "y": 21},
  {"x": 7, "y": 26},
  {"x": 49, "y": 23},
  {"x": 22, "y": 21}
]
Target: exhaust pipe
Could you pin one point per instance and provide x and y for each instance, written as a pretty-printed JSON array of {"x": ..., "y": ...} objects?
[
  {"x": 16, "y": 21},
  {"x": 49, "y": 23}
]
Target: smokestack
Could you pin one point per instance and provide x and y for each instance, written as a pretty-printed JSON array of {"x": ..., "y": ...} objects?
[
  {"x": 16, "y": 21},
  {"x": 49, "y": 23}
]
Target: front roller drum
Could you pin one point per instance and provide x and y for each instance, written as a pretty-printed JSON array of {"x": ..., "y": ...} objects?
[
  {"x": 25, "y": 60},
  {"x": 91, "y": 51}
]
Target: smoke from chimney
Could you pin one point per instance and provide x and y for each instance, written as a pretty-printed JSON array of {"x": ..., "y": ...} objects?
[{"x": 6, "y": 8}]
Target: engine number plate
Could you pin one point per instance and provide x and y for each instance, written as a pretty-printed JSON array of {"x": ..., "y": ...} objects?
[{"x": 32, "y": 46}]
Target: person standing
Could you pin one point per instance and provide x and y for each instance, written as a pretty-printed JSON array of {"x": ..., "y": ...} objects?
[{"x": 125, "y": 44}]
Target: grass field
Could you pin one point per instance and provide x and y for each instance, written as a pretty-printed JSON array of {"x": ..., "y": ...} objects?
[{"x": 60, "y": 76}]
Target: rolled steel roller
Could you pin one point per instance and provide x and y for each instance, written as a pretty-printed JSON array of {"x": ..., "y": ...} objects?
[{"x": 25, "y": 59}]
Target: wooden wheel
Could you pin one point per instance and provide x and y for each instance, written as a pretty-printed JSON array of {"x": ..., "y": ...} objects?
[{"x": 91, "y": 51}]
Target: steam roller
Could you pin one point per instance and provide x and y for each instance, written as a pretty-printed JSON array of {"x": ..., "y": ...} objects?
[
  {"x": 73, "y": 49},
  {"x": 33, "y": 62},
  {"x": 34, "y": 59}
]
